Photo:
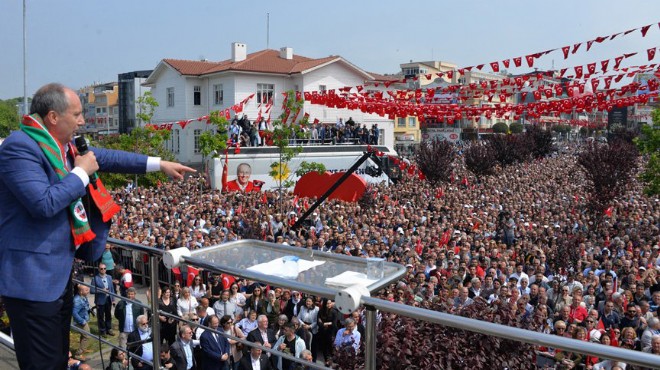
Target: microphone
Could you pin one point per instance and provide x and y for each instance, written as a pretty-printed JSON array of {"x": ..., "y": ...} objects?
[{"x": 81, "y": 146}]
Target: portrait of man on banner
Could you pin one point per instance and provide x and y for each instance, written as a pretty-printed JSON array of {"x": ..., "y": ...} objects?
[{"x": 242, "y": 182}]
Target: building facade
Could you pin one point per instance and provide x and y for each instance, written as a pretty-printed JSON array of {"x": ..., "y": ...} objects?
[
  {"x": 190, "y": 89},
  {"x": 100, "y": 109},
  {"x": 130, "y": 89}
]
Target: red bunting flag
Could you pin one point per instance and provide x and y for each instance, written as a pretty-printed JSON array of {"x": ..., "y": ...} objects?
[
  {"x": 575, "y": 48},
  {"x": 651, "y": 53},
  {"x": 591, "y": 67},
  {"x": 565, "y": 50},
  {"x": 578, "y": 71},
  {"x": 517, "y": 61},
  {"x": 506, "y": 63},
  {"x": 495, "y": 66},
  {"x": 589, "y": 43},
  {"x": 603, "y": 65},
  {"x": 530, "y": 60},
  {"x": 617, "y": 62},
  {"x": 594, "y": 84},
  {"x": 608, "y": 81},
  {"x": 645, "y": 29}
]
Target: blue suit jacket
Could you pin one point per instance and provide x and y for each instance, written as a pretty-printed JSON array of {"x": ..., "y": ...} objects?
[
  {"x": 36, "y": 245},
  {"x": 212, "y": 350},
  {"x": 101, "y": 298}
]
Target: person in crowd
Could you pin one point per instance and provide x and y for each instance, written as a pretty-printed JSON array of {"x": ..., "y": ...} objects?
[
  {"x": 37, "y": 185},
  {"x": 216, "y": 349},
  {"x": 248, "y": 323},
  {"x": 348, "y": 336},
  {"x": 293, "y": 305},
  {"x": 140, "y": 344},
  {"x": 166, "y": 362},
  {"x": 236, "y": 296},
  {"x": 126, "y": 313},
  {"x": 186, "y": 304},
  {"x": 308, "y": 316},
  {"x": 256, "y": 302},
  {"x": 256, "y": 360},
  {"x": 272, "y": 306},
  {"x": 125, "y": 279},
  {"x": 242, "y": 181},
  {"x": 181, "y": 350},
  {"x": 198, "y": 288},
  {"x": 81, "y": 317},
  {"x": 289, "y": 343},
  {"x": 225, "y": 307},
  {"x": 328, "y": 323},
  {"x": 168, "y": 324},
  {"x": 102, "y": 285},
  {"x": 118, "y": 360}
]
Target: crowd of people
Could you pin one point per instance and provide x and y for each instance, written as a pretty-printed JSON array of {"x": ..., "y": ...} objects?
[
  {"x": 245, "y": 133},
  {"x": 499, "y": 240}
]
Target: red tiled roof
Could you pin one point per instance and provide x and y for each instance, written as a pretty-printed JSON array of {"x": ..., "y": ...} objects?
[{"x": 266, "y": 61}]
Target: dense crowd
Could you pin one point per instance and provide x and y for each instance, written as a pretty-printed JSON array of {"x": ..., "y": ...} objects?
[
  {"x": 243, "y": 132},
  {"x": 503, "y": 240}
]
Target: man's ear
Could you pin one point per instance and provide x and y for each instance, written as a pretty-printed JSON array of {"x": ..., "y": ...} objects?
[{"x": 51, "y": 116}]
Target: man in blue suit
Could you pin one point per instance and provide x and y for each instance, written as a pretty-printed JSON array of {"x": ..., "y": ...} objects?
[
  {"x": 101, "y": 286},
  {"x": 215, "y": 347},
  {"x": 40, "y": 193}
]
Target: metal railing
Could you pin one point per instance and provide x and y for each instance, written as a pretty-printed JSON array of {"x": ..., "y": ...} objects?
[{"x": 372, "y": 304}]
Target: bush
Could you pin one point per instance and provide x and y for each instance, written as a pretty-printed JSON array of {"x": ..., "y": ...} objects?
[
  {"x": 434, "y": 158},
  {"x": 500, "y": 128},
  {"x": 541, "y": 141},
  {"x": 516, "y": 127},
  {"x": 480, "y": 159}
]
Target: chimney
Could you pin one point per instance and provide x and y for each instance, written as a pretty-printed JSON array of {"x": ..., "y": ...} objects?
[
  {"x": 286, "y": 53},
  {"x": 238, "y": 52}
]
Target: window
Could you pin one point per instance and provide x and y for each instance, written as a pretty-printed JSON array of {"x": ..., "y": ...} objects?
[
  {"x": 401, "y": 122},
  {"x": 170, "y": 96},
  {"x": 218, "y": 94},
  {"x": 175, "y": 141},
  {"x": 411, "y": 121},
  {"x": 196, "y": 135},
  {"x": 197, "y": 95},
  {"x": 322, "y": 89},
  {"x": 265, "y": 93}
]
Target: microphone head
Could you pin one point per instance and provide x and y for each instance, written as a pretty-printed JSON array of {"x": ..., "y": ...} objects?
[{"x": 81, "y": 144}]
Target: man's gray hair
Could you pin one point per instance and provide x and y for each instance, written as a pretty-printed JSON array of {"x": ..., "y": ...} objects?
[{"x": 48, "y": 98}]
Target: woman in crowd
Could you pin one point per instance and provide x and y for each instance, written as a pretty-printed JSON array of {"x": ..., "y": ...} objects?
[
  {"x": 328, "y": 324},
  {"x": 198, "y": 289},
  {"x": 118, "y": 360},
  {"x": 168, "y": 325},
  {"x": 256, "y": 302},
  {"x": 236, "y": 296},
  {"x": 308, "y": 317},
  {"x": 186, "y": 305},
  {"x": 236, "y": 351},
  {"x": 272, "y": 307}
]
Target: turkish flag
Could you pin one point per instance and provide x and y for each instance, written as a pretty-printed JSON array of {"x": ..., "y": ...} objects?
[
  {"x": 495, "y": 66},
  {"x": 594, "y": 84},
  {"x": 617, "y": 62},
  {"x": 565, "y": 50},
  {"x": 589, "y": 43},
  {"x": 591, "y": 67},
  {"x": 578, "y": 71},
  {"x": 506, "y": 63},
  {"x": 603, "y": 65},
  {"x": 192, "y": 272},
  {"x": 537, "y": 95},
  {"x": 651, "y": 53},
  {"x": 517, "y": 61},
  {"x": 530, "y": 60},
  {"x": 575, "y": 48},
  {"x": 645, "y": 29},
  {"x": 608, "y": 81}
]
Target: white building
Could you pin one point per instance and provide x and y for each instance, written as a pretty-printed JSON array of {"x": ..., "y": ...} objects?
[{"x": 190, "y": 89}]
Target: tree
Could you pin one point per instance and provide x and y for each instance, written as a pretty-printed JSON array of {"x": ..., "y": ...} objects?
[
  {"x": 148, "y": 141},
  {"x": 285, "y": 131},
  {"x": 213, "y": 142},
  {"x": 649, "y": 144},
  {"x": 608, "y": 169},
  {"x": 147, "y": 104},
  {"x": 500, "y": 128},
  {"x": 434, "y": 158},
  {"x": 503, "y": 149},
  {"x": 516, "y": 127},
  {"x": 541, "y": 140},
  {"x": 480, "y": 159},
  {"x": 9, "y": 118}
]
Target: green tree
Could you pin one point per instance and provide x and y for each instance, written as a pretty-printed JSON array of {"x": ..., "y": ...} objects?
[
  {"x": 648, "y": 143},
  {"x": 8, "y": 117},
  {"x": 500, "y": 128},
  {"x": 147, "y": 104},
  {"x": 285, "y": 130},
  {"x": 141, "y": 140},
  {"x": 516, "y": 127},
  {"x": 213, "y": 142}
]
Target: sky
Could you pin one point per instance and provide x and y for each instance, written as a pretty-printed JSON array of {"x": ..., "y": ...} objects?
[{"x": 78, "y": 42}]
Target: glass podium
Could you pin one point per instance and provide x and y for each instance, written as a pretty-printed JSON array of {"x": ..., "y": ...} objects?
[{"x": 343, "y": 278}]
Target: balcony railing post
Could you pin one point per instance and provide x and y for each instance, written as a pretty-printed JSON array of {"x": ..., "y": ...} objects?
[
  {"x": 370, "y": 340},
  {"x": 155, "y": 321}
]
